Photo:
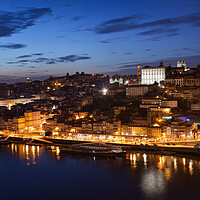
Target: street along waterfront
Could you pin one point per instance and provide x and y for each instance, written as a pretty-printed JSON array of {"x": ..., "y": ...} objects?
[{"x": 35, "y": 172}]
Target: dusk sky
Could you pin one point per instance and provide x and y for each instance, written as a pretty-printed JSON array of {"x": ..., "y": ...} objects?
[{"x": 40, "y": 38}]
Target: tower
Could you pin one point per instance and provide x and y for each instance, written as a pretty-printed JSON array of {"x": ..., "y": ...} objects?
[{"x": 138, "y": 70}]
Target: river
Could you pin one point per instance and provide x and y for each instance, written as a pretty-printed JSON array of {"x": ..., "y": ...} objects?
[{"x": 33, "y": 172}]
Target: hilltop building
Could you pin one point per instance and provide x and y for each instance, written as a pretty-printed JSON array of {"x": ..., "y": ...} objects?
[{"x": 150, "y": 75}]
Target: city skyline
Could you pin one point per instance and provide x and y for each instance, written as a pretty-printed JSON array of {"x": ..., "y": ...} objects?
[{"x": 40, "y": 39}]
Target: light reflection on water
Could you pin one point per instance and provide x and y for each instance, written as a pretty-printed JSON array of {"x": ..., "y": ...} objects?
[
  {"x": 32, "y": 153},
  {"x": 159, "y": 170},
  {"x": 153, "y": 172},
  {"x": 165, "y": 164}
]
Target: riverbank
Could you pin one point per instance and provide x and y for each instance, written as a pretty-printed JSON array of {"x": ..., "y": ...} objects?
[{"x": 161, "y": 149}]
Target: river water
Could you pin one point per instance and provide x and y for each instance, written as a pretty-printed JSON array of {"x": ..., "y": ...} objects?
[{"x": 33, "y": 172}]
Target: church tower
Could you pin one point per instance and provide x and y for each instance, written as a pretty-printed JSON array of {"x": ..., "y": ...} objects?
[{"x": 138, "y": 70}]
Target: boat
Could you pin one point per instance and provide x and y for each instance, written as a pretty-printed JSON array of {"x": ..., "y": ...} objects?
[
  {"x": 4, "y": 142},
  {"x": 94, "y": 149},
  {"x": 33, "y": 144}
]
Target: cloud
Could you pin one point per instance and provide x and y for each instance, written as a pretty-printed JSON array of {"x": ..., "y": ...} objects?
[
  {"x": 24, "y": 56},
  {"x": 117, "y": 25},
  {"x": 131, "y": 23},
  {"x": 166, "y": 30},
  {"x": 154, "y": 39},
  {"x": 173, "y": 2},
  {"x": 128, "y": 53},
  {"x": 29, "y": 55},
  {"x": 62, "y": 36},
  {"x": 76, "y": 18},
  {"x": 37, "y": 54},
  {"x": 63, "y": 59},
  {"x": 14, "y": 22},
  {"x": 191, "y": 61},
  {"x": 183, "y": 49},
  {"x": 72, "y": 58},
  {"x": 107, "y": 41},
  {"x": 12, "y": 46}
]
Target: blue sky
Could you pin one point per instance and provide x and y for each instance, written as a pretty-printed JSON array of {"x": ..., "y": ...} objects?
[{"x": 41, "y": 38}]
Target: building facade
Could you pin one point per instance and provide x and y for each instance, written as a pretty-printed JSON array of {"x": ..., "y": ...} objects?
[
  {"x": 150, "y": 75},
  {"x": 136, "y": 90}
]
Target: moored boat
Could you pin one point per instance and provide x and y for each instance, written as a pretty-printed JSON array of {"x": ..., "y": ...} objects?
[
  {"x": 4, "y": 142},
  {"x": 94, "y": 149}
]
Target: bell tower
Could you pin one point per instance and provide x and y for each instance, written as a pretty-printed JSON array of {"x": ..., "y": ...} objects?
[{"x": 138, "y": 70}]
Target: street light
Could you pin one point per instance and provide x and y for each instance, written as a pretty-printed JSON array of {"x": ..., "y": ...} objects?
[{"x": 104, "y": 91}]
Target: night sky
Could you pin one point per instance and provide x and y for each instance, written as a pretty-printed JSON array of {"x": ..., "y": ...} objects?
[{"x": 40, "y": 38}]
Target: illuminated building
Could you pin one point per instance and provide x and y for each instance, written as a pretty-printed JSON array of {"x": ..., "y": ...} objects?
[
  {"x": 138, "y": 70},
  {"x": 195, "y": 107},
  {"x": 183, "y": 81},
  {"x": 153, "y": 114},
  {"x": 134, "y": 130},
  {"x": 116, "y": 79},
  {"x": 32, "y": 119},
  {"x": 154, "y": 132},
  {"x": 19, "y": 124},
  {"x": 150, "y": 75},
  {"x": 182, "y": 64},
  {"x": 11, "y": 102},
  {"x": 176, "y": 130},
  {"x": 136, "y": 90},
  {"x": 117, "y": 110},
  {"x": 107, "y": 127}
]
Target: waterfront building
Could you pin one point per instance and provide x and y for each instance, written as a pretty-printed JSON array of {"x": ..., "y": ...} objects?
[
  {"x": 177, "y": 130},
  {"x": 134, "y": 130},
  {"x": 154, "y": 132},
  {"x": 106, "y": 127},
  {"x": 19, "y": 124},
  {"x": 32, "y": 119}
]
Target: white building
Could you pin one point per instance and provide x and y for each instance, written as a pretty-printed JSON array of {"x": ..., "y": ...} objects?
[
  {"x": 116, "y": 79},
  {"x": 150, "y": 75},
  {"x": 181, "y": 63}
]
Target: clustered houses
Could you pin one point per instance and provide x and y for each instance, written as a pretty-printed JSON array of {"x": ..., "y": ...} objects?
[{"x": 160, "y": 103}]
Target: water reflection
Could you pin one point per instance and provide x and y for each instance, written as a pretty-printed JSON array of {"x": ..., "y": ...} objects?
[
  {"x": 191, "y": 167},
  {"x": 150, "y": 175},
  {"x": 175, "y": 164},
  {"x": 165, "y": 164},
  {"x": 160, "y": 171},
  {"x": 153, "y": 183},
  {"x": 145, "y": 159}
]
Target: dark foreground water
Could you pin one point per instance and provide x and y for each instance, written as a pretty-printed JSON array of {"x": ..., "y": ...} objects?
[{"x": 33, "y": 173}]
